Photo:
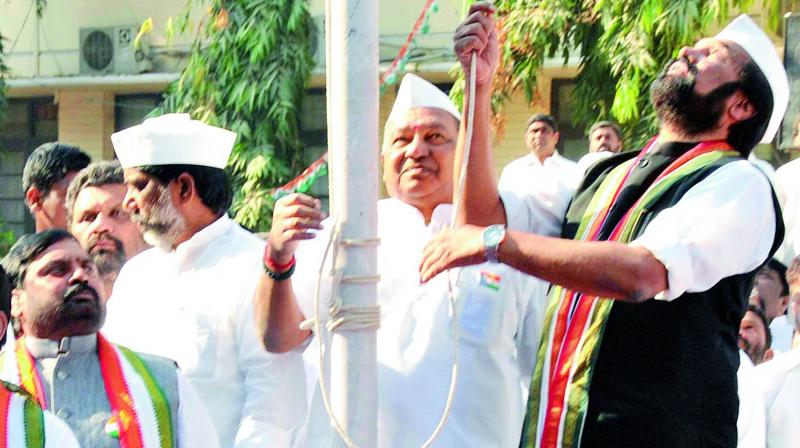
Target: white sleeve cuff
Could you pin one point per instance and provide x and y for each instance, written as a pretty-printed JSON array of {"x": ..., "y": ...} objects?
[{"x": 675, "y": 257}]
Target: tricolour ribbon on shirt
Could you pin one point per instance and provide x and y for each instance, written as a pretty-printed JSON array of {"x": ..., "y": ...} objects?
[
  {"x": 574, "y": 322},
  {"x": 140, "y": 413}
]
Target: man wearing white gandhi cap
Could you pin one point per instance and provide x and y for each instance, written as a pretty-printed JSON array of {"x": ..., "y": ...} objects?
[
  {"x": 500, "y": 310},
  {"x": 190, "y": 298},
  {"x": 658, "y": 255}
]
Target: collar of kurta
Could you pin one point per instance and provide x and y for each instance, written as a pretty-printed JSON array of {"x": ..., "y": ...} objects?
[
  {"x": 49, "y": 348},
  {"x": 555, "y": 159},
  {"x": 440, "y": 218},
  {"x": 186, "y": 251}
]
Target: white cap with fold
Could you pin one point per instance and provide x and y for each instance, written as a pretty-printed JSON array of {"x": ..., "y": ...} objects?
[
  {"x": 744, "y": 32},
  {"x": 416, "y": 92},
  {"x": 173, "y": 139}
]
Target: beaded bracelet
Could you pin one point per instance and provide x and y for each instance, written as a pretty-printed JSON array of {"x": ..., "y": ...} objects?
[{"x": 277, "y": 271}]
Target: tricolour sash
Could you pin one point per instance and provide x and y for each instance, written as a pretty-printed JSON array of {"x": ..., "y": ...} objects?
[
  {"x": 21, "y": 420},
  {"x": 574, "y": 322},
  {"x": 140, "y": 413}
]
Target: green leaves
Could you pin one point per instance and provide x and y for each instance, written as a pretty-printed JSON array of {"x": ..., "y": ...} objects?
[
  {"x": 248, "y": 73},
  {"x": 622, "y": 46}
]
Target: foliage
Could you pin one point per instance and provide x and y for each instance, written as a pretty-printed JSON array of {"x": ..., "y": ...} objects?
[
  {"x": 248, "y": 71},
  {"x": 622, "y": 46},
  {"x": 7, "y": 239}
]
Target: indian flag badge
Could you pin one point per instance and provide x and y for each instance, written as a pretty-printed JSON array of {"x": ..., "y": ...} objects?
[
  {"x": 112, "y": 426},
  {"x": 490, "y": 280}
]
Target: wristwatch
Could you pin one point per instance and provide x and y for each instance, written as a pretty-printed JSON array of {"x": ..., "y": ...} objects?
[{"x": 492, "y": 237}]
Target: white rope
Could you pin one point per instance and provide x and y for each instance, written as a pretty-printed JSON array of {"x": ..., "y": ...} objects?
[{"x": 349, "y": 318}]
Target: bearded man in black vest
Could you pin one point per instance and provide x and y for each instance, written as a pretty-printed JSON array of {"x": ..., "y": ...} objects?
[{"x": 658, "y": 252}]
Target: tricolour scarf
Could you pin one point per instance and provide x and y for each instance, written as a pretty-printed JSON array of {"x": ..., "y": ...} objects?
[
  {"x": 140, "y": 413},
  {"x": 21, "y": 420},
  {"x": 574, "y": 322}
]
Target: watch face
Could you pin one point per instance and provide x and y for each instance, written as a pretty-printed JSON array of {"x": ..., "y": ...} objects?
[{"x": 493, "y": 235}]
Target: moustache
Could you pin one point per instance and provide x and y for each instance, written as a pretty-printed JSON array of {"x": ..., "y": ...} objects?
[
  {"x": 80, "y": 288},
  {"x": 95, "y": 238},
  {"x": 407, "y": 166}
]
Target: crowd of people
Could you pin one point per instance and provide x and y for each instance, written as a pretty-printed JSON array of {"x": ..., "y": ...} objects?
[{"x": 631, "y": 299}]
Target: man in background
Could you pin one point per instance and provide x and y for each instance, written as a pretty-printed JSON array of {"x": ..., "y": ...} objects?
[
  {"x": 96, "y": 217},
  {"x": 605, "y": 140},
  {"x": 45, "y": 178},
  {"x": 543, "y": 173}
]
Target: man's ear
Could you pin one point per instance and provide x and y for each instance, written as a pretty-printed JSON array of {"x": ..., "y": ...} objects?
[
  {"x": 768, "y": 354},
  {"x": 33, "y": 198},
  {"x": 739, "y": 108},
  {"x": 16, "y": 303},
  {"x": 184, "y": 188}
]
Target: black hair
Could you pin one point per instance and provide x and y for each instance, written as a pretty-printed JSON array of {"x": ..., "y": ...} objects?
[
  {"x": 94, "y": 175},
  {"x": 606, "y": 124},
  {"x": 745, "y": 135},
  {"x": 762, "y": 316},
  {"x": 49, "y": 163},
  {"x": 780, "y": 268},
  {"x": 212, "y": 184},
  {"x": 5, "y": 294},
  {"x": 26, "y": 249},
  {"x": 544, "y": 118}
]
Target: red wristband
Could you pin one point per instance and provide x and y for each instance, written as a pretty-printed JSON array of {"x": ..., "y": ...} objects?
[{"x": 273, "y": 265}]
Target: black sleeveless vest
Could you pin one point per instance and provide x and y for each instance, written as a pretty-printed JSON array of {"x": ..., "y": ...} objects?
[{"x": 666, "y": 371}]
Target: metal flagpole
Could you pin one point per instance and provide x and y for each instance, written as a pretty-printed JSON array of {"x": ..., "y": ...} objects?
[{"x": 353, "y": 139}]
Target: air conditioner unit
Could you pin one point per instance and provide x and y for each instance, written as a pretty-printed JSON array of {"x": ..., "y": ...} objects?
[{"x": 111, "y": 50}]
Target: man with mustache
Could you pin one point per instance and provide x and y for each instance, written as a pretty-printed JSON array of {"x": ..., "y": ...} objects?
[
  {"x": 26, "y": 423},
  {"x": 96, "y": 218},
  {"x": 201, "y": 277},
  {"x": 659, "y": 256},
  {"x": 543, "y": 173},
  {"x": 605, "y": 140},
  {"x": 499, "y": 308},
  {"x": 109, "y": 395}
]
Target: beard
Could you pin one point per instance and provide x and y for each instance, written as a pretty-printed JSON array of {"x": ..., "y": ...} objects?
[
  {"x": 164, "y": 223},
  {"x": 69, "y": 314},
  {"x": 107, "y": 261},
  {"x": 676, "y": 101}
]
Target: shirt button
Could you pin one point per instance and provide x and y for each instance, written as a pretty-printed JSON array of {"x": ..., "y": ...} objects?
[
  {"x": 62, "y": 375},
  {"x": 643, "y": 163},
  {"x": 63, "y": 414}
]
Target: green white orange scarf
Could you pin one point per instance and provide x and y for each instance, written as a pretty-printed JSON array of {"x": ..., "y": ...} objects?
[
  {"x": 21, "y": 421},
  {"x": 574, "y": 323},
  {"x": 140, "y": 413}
]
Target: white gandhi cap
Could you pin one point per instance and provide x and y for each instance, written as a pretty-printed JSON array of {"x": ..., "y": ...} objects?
[
  {"x": 744, "y": 32},
  {"x": 173, "y": 139},
  {"x": 416, "y": 92}
]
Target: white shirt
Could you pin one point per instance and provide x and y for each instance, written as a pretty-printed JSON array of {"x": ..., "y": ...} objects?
[
  {"x": 782, "y": 334},
  {"x": 591, "y": 158},
  {"x": 498, "y": 340},
  {"x": 723, "y": 226},
  {"x": 787, "y": 186},
  {"x": 751, "y": 424},
  {"x": 552, "y": 183},
  {"x": 195, "y": 305},
  {"x": 57, "y": 434},
  {"x": 781, "y": 380}
]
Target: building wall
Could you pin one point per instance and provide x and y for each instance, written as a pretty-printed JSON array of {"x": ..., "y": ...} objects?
[{"x": 86, "y": 120}]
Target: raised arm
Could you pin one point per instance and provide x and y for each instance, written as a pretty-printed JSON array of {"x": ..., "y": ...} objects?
[
  {"x": 477, "y": 34},
  {"x": 278, "y": 315}
]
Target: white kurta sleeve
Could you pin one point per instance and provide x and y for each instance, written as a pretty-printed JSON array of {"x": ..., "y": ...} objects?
[
  {"x": 274, "y": 385},
  {"x": 57, "y": 434},
  {"x": 194, "y": 426},
  {"x": 723, "y": 226}
]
